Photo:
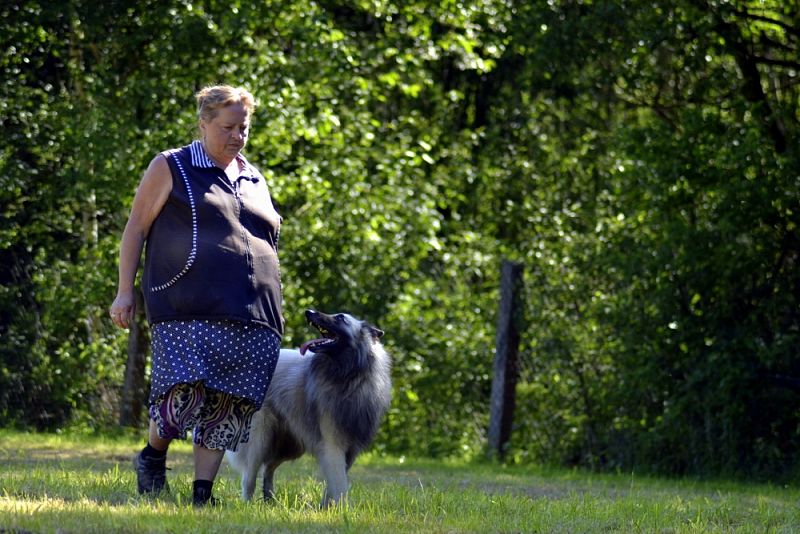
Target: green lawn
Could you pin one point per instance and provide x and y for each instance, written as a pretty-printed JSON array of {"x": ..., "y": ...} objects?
[{"x": 73, "y": 484}]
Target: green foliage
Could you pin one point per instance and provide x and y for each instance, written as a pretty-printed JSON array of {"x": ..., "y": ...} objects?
[{"x": 640, "y": 161}]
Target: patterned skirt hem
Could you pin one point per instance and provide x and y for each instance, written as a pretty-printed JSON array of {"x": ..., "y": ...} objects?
[{"x": 218, "y": 420}]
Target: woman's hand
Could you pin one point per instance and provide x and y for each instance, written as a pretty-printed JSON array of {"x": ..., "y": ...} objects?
[{"x": 123, "y": 310}]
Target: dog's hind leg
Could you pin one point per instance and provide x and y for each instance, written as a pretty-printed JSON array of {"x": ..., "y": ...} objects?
[
  {"x": 249, "y": 477},
  {"x": 334, "y": 469},
  {"x": 269, "y": 481}
]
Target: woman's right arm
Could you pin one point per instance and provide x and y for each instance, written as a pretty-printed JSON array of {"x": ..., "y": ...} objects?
[{"x": 151, "y": 195}]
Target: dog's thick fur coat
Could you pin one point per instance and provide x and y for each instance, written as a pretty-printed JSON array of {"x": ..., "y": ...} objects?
[{"x": 329, "y": 403}]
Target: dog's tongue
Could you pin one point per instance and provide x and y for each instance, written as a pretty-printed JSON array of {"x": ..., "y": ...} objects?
[{"x": 304, "y": 346}]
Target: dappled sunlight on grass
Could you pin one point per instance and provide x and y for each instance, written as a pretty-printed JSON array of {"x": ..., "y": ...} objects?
[
  {"x": 87, "y": 451},
  {"x": 54, "y": 484}
]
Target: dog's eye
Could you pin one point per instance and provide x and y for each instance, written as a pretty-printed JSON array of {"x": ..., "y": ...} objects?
[{"x": 340, "y": 318}]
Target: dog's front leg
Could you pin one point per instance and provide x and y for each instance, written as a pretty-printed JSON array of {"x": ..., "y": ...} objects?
[{"x": 334, "y": 469}]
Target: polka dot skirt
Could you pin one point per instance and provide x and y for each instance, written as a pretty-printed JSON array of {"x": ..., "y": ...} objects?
[{"x": 229, "y": 356}]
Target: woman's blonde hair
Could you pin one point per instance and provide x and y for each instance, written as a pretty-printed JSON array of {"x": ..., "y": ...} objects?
[{"x": 215, "y": 97}]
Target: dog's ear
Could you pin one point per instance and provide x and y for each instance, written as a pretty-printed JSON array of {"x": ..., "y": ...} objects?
[{"x": 377, "y": 333}]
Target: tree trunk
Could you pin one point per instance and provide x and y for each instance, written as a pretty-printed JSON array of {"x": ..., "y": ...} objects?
[{"x": 135, "y": 390}]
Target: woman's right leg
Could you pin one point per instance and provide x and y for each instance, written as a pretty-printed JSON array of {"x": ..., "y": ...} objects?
[
  {"x": 156, "y": 441},
  {"x": 151, "y": 463},
  {"x": 170, "y": 415}
]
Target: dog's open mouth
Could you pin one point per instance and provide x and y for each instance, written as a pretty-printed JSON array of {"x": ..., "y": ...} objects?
[{"x": 315, "y": 344}]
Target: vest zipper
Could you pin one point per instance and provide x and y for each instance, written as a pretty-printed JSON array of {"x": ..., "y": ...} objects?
[{"x": 248, "y": 254}]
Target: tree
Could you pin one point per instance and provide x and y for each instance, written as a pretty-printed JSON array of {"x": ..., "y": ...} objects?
[{"x": 639, "y": 160}]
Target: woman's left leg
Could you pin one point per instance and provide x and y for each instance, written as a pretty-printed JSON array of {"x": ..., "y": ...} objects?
[
  {"x": 206, "y": 466},
  {"x": 224, "y": 423}
]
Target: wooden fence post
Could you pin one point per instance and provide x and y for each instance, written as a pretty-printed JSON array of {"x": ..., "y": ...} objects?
[{"x": 506, "y": 366}]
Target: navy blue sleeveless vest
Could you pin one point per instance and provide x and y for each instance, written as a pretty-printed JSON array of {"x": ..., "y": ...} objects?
[{"x": 212, "y": 252}]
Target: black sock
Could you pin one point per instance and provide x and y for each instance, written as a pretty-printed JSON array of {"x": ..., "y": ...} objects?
[
  {"x": 201, "y": 491},
  {"x": 150, "y": 452}
]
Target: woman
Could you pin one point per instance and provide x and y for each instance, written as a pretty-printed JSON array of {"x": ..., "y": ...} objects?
[{"x": 212, "y": 290}]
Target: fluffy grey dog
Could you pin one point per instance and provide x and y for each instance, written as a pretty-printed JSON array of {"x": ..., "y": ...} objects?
[{"x": 329, "y": 403}]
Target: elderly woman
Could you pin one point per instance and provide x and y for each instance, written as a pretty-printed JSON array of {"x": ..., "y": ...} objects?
[{"x": 212, "y": 290}]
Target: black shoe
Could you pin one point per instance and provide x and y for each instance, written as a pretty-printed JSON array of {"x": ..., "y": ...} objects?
[
  {"x": 151, "y": 474},
  {"x": 201, "y": 501},
  {"x": 201, "y": 494},
  {"x": 211, "y": 501}
]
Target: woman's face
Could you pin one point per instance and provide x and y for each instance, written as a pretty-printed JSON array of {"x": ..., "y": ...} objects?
[{"x": 226, "y": 134}]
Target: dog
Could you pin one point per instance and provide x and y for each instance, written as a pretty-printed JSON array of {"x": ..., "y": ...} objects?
[{"x": 329, "y": 403}]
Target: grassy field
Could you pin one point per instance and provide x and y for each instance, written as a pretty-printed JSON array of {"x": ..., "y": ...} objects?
[{"x": 75, "y": 484}]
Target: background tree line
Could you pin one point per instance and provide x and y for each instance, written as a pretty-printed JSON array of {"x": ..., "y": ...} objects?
[{"x": 640, "y": 159}]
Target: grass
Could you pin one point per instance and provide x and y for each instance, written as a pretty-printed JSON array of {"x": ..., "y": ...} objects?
[{"x": 76, "y": 484}]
